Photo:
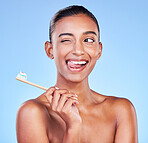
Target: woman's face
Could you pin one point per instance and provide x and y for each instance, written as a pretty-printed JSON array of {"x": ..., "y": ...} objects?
[{"x": 76, "y": 47}]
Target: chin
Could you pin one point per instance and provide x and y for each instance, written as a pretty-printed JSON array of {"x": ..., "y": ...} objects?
[{"x": 75, "y": 78}]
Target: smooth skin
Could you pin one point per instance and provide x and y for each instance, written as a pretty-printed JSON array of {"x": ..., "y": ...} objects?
[{"x": 73, "y": 113}]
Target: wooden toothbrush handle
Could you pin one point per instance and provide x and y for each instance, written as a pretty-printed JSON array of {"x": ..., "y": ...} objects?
[{"x": 33, "y": 84}]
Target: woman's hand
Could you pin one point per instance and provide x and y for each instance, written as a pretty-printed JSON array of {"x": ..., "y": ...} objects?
[{"x": 64, "y": 103}]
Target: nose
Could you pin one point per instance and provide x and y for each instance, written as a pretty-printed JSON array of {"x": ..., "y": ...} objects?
[{"x": 78, "y": 49}]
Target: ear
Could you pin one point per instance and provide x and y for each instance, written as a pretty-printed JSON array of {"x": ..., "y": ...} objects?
[
  {"x": 100, "y": 50},
  {"x": 49, "y": 50}
]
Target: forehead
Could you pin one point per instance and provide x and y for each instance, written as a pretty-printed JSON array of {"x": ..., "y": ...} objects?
[{"x": 75, "y": 24}]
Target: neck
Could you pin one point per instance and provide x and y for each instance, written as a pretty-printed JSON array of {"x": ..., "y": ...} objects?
[{"x": 80, "y": 88}]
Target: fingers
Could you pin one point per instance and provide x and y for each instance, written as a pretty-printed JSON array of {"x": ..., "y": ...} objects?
[
  {"x": 70, "y": 102},
  {"x": 64, "y": 99},
  {"x": 63, "y": 103},
  {"x": 49, "y": 94},
  {"x": 57, "y": 98}
]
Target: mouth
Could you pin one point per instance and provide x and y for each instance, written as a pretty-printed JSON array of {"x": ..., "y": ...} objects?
[{"x": 76, "y": 65}]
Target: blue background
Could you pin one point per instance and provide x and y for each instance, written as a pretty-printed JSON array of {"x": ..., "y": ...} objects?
[{"x": 121, "y": 71}]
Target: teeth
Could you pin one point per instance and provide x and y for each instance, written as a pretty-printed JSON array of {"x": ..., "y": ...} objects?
[{"x": 79, "y": 62}]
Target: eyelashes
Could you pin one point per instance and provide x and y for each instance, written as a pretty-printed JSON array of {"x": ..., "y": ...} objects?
[
  {"x": 62, "y": 41},
  {"x": 87, "y": 40}
]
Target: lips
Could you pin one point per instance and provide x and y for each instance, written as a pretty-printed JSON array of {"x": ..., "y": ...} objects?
[{"x": 76, "y": 65}]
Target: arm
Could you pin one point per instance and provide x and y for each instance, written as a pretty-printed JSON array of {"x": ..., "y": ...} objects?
[
  {"x": 31, "y": 124},
  {"x": 72, "y": 135},
  {"x": 126, "y": 122}
]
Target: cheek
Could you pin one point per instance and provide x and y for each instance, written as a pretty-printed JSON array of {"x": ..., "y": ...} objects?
[
  {"x": 62, "y": 50},
  {"x": 59, "y": 55},
  {"x": 93, "y": 53}
]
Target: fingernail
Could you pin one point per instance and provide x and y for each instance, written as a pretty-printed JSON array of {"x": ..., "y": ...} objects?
[
  {"x": 76, "y": 95},
  {"x": 76, "y": 102},
  {"x": 75, "y": 98},
  {"x": 51, "y": 92}
]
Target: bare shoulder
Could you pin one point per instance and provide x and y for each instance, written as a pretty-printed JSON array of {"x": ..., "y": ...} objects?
[
  {"x": 125, "y": 115},
  {"x": 32, "y": 111},
  {"x": 113, "y": 101},
  {"x": 126, "y": 119},
  {"x": 121, "y": 113},
  {"x": 32, "y": 107},
  {"x": 32, "y": 120},
  {"x": 119, "y": 102},
  {"x": 121, "y": 105}
]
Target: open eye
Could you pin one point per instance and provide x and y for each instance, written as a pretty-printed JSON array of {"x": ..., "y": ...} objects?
[{"x": 89, "y": 40}]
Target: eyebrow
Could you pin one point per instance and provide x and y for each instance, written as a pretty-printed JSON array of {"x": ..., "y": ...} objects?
[
  {"x": 69, "y": 34},
  {"x": 85, "y": 33},
  {"x": 90, "y": 32}
]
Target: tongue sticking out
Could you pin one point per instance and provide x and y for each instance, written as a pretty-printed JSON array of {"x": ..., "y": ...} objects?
[{"x": 75, "y": 66}]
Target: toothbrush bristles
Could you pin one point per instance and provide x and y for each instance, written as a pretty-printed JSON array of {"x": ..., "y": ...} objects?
[{"x": 23, "y": 77}]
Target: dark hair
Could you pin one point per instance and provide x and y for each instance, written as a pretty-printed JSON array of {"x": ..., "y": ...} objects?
[{"x": 69, "y": 11}]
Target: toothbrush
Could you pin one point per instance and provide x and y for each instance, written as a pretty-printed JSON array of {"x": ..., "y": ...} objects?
[{"x": 23, "y": 77}]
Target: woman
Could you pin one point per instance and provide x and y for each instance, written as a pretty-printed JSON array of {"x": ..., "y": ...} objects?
[{"x": 70, "y": 112}]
